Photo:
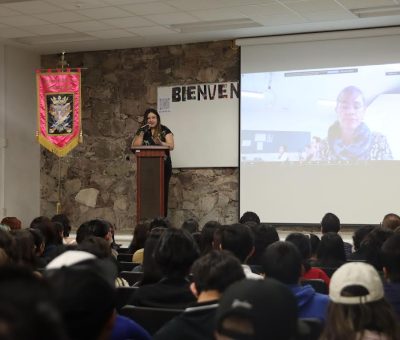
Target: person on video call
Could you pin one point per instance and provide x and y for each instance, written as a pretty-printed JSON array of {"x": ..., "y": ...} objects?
[
  {"x": 349, "y": 138},
  {"x": 153, "y": 133}
]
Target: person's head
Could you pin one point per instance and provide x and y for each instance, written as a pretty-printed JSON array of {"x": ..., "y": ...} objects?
[
  {"x": 47, "y": 228},
  {"x": 207, "y": 236},
  {"x": 25, "y": 248},
  {"x": 238, "y": 239},
  {"x": 84, "y": 231},
  {"x": 360, "y": 234},
  {"x": 331, "y": 250},
  {"x": 391, "y": 221},
  {"x": 27, "y": 308},
  {"x": 330, "y": 223},
  {"x": 7, "y": 245},
  {"x": 190, "y": 225},
  {"x": 64, "y": 220},
  {"x": 282, "y": 261},
  {"x": 390, "y": 252},
  {"x": 97, "y": 246},
  {"x": 13, "y": 222},
  {"x": 175, "y": 252},
  {"x": 216, "y": 271},
  {"x": 152, "y": 118},
  {"x": 139, "y": 236},
  {"x": 357, "y": 303},
  {"x": 249, "y": 216},
  {"x": 350, "y": 108},
  {"x": 101, "y": 228},
  {"x": 314, "y": 243},
  {"x": 303, "y": 245},
  {"x": 38, "y": 239},
  {"x": 264, "y": 235},
  {"x": 258, "y": 310},
  {"x": 372, "y": 244},
  {"x": 85, "y": 298},
  {"x": 151, "y": 270},
  {"x": 160, "y": 222}
]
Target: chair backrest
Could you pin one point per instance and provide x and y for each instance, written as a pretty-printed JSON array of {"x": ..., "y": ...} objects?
[
  {"x": 125, "y": 257},
  {"x": 123, "y": 296},
  {"x": 318, "y": 284},
  {"x": 131, "y": 277},
  {"x": 312, "y": 329},
  {"x": 127, "y": 266},
  {"x": 122, "y": 250},
  {"x": 150, "y": 318}
]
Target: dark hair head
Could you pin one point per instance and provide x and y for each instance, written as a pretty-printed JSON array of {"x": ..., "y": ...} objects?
[
  {"x": 390, "y": 252},
  {"x": 38, "y": 239},
  {"x": 216, "y": 271},
  {"x": 191, "y": 225},
  {"x": 151, "y": 270},
  {"x": 48, "y": 229},
  {"x": 314, "y": 243},
  {"x": 238, "y": 239},
  {"x": 84, "y": 231},
  {"x": 99, "y": 228},
  {"x": 391, "y": 221},
  {"x": 282, "y": 261},
  {"x": 331, "y": 250},
  {"x": 160, "y": 222},
  {"x": 372, "y": 244},
  {"x": 13, "y": 222},
  {"x": 27, "y": 311},
  {"x": 303, "y": 245},
  {"x": 207, "y": 236},
  {"x": 360, "y": 234},
  {"x": 139, "y": 236},
  {"x": 64, "y": 220},
  {"x": 25, "y": 248},
  {"x": 7, "y": 243},
  {"x": 249, "y": 216},
  {"x": 97, "y": 246},
  {"x": 175, "y": 252},
  {"x": 264, "y": 235},
  {"x": 330, "y": 223},
  {"x": 86, "y": 300}
]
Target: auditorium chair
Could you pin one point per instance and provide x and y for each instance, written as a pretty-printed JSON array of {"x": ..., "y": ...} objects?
[
  {"x": 126, "y": 266},
  {"x": 131, "y": 277},
  {"x": 123, "y": 296},
  {"x": 124, "y": 257}
]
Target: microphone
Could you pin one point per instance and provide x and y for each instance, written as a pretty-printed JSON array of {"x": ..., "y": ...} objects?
[{"x": 144, "y": 128}]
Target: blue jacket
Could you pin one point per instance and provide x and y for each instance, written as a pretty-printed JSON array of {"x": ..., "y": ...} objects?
[
  {"x": 311, "y": 304},
  {"x": 392, "y": 295}
]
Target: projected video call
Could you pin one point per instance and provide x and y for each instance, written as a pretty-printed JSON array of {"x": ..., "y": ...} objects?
[{"x": 322, "y": 115}]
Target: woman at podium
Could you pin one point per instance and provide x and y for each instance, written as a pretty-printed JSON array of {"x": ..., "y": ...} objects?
[{"x": 154, "y": 133}]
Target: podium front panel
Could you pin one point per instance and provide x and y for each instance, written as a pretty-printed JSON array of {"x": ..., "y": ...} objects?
[{"x": 149, "y": 194}]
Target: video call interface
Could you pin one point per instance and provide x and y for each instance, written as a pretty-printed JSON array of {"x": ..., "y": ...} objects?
[{"x": 343, "y": 114}]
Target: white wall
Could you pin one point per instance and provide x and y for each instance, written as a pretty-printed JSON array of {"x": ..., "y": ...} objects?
[{"x": 20, "y": 158}]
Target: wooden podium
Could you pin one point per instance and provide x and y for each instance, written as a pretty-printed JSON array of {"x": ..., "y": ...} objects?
[{"x": 149, "y": 181}]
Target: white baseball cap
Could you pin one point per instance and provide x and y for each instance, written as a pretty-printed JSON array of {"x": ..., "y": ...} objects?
[{"x": 356, "y": 274}]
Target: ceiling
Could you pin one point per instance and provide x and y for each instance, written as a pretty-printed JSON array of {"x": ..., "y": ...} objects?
[{"x": 53, "y": 26}]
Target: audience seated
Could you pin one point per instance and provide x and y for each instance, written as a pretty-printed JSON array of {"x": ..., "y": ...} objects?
[
  {"x": 358, "y": 310},
  {"x": 302, "y": 243},
  {"x": 330, "y": 253},
  {"x": 314, "y": 242},
  {"x": 282, "y": 261},
  {"x": 257, "y": 310},
  {"x": 174, "y": 253},
  {"x": 85, "y": 294},
  {"x": 66, "y": 224},
  {"x": 330, "y": 223},
  {"x": 207, "y": 236},
  {"x": 391, "y": 221},
  {"x": 264, "y": 235},
  {"x": 27, "y": 310},
  {"x": 359, "y": 236},
  {"x": 249, "y": 216},
  {"x": 12, "y": 222},
  {"x": 136, "y": 247},
  {"x": 239, "y": 239},
  {"x": 390, "y": 252},
  {"x": 190, "y": 225},
  {"x": 212, "y": 274}
]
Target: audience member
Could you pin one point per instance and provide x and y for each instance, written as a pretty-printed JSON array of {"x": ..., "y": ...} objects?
[
  {"x": 330, "y": 252},
  {"x": 314, "y": 242},
  {"x": 359, "y": 236},
  {"x": 239, "y": 239},
  {"x": 212, "y": 274},
  {"x": 84, "y": 230},
  {"x": 190, "y": 225},
  {"x": 282, "y": 261},
  {"x": 174, "y": 253},
  {"x": 27, "y": 309},
  {"x": 136, "y": 247},
  {"x": 7, "y": 245},
  {"x": 24, "y": 248},
  {"x": 264, "y": 235},
  {"x": 207, "y": 236},
  {"x": 160, "y": 222},
  {"x": 331, "y": 224},
  {"x": 249, "y": 216},
  {"x": 257, "y": 310},
  {"x": 391, "y": 221},
  {"x": 12, "y": 222},
  {"x": 390, "y": 252},
  {"x": 358, "y": 310},
  {"x": 302, "y": 243},
  {"x": 66, "y": 224}
]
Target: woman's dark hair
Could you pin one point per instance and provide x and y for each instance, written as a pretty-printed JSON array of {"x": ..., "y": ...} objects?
[
  {"x": 25, "y": 248},
  {"x": 264, "y": 235},
  {"x": 64, "y": 220},
  {"x": 372, "y": 244},
  {"x": 175, "y": 252},
  {"x": 207, "y": 236},
  {"x": 160, "y": 222},
  {"x": 302, "y": 243},
  {"x": 47, "y": 228},
  {"x": 331, "y": 251},
  {"x": 314, "y": 242},
  {"x": 38, "y": 239},
  {"x": 360, "y": 234},
  {"x": 139, "y": 237}
]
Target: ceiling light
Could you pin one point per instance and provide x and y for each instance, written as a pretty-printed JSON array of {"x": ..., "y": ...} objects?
[{"x": 376, "y": 11}]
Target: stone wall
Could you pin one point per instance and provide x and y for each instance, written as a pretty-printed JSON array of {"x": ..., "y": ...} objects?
[{"x": 98, "y": 177}]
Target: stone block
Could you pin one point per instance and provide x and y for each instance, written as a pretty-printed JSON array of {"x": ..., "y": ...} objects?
[{"x": 87, "y": 197}]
